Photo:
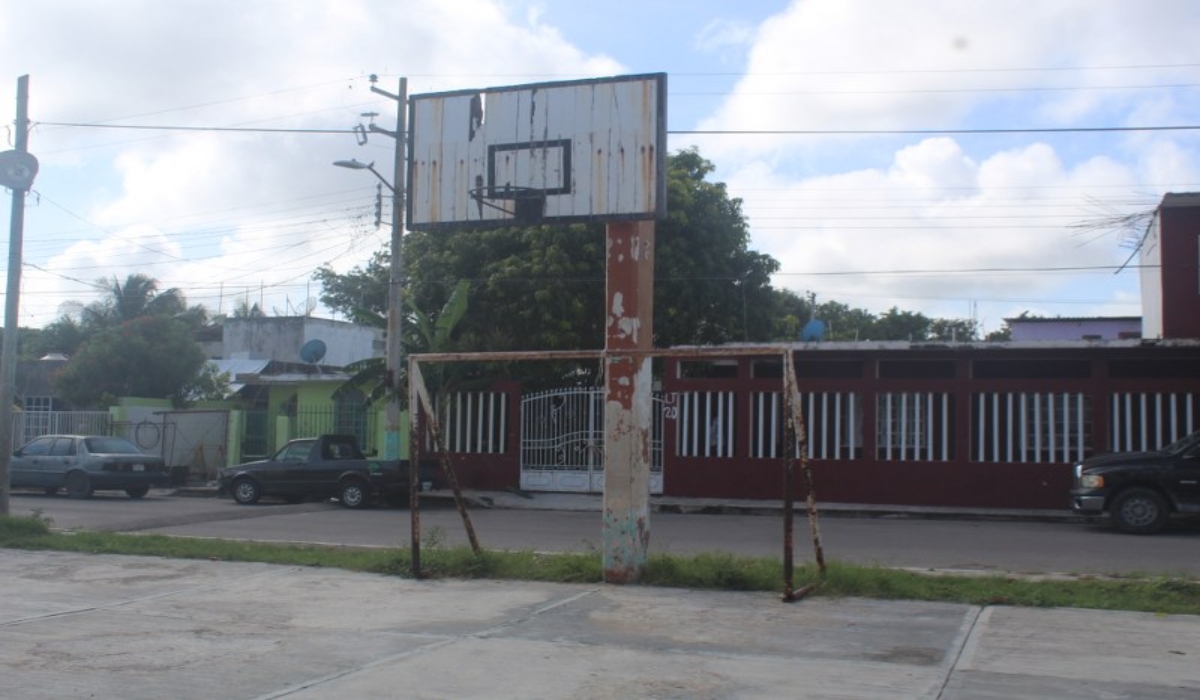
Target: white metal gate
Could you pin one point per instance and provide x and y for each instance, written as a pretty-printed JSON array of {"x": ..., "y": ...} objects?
[{"x": 562, "y": 441}]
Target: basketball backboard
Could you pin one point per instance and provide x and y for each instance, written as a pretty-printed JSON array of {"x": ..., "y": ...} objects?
[{"x": 582, "y": 150}]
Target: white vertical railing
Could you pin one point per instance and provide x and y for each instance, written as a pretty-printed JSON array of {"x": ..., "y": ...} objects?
[{"x": 1149, "y": 420}]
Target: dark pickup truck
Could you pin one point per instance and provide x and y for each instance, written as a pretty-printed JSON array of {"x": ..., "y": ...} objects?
[
  {"x": 1140, "y": 490},
  {"x": 328, "y": 466}
]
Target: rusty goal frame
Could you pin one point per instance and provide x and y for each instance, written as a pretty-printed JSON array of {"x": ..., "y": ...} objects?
[{"x": 420, "y": 404}]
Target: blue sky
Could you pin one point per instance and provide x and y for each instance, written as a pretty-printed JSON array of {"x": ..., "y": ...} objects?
[{"x": 957, "y": 225}]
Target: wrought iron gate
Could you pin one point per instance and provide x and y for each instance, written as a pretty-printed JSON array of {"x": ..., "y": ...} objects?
[{"x": 562, "y": 441}]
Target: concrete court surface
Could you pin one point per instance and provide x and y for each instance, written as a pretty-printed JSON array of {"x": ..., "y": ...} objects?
[{"x": 106, "y": 626}]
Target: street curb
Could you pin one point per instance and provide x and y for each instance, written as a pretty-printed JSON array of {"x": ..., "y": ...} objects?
[{"x": 674, "y": 506}]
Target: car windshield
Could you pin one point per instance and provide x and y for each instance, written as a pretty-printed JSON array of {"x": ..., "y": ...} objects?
[
  {"x": 1183, "y": 444},
  {"x": 111, "y": 446}
]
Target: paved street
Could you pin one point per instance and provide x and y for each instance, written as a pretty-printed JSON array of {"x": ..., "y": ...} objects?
[{"x": 571, "y": 522}]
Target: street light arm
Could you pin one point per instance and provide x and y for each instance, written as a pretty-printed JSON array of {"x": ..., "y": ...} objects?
[
  {"x": 376, "y": 129},
  {"x": 385, "y": 93},
  {"x": 353, "y": 164},
  {"x": 382, "y": 179}
]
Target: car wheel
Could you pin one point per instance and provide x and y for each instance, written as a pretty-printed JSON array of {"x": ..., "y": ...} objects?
[
  {"x": 137, "y": 491},
  {"x": 1139, "y": 511},
  {"x": 246, "y": 492},
  {"x": 78, "y": 485},
  {"x": 353, "y": 494}
]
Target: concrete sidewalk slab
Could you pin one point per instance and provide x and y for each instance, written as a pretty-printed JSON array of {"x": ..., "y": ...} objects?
[{"x": 77, "y": 625}]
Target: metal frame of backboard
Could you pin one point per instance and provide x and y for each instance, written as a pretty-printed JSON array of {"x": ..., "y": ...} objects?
[{"x": 557, "y": 152}]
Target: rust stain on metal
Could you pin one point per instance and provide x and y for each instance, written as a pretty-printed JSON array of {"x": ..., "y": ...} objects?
[
  {"x": 418, "y": 383},
  {"x": 795, "y": 428}
]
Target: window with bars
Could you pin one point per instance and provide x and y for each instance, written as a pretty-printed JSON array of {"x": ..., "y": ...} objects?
[
  {"x": 913, "y": 426},
  {"x": 1140, "y": 421},
  {"x": 1031, "y": 427},
  {"x": 832, "y": 424},
  {"x": 475, "y": 422},
  {"x": 38, "y": 403},
  {"x": 706, "y": 424}
]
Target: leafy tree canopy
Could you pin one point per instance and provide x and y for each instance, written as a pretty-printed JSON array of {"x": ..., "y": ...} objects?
[
  {"x": 542, "y": 287},
  {"x": 139, "y": 296},
  {"x": 149, "y": 356}
]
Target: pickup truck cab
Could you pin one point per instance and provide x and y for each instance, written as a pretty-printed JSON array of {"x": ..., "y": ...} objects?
[
  {"x": 327, "y": 466},
  {"x": 1140, "y": 490}
]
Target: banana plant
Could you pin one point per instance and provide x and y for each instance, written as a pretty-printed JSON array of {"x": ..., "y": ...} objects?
[{"x": 435, "y": 333}]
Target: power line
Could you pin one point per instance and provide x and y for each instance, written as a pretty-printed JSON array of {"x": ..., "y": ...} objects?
[
  {"x": 927, "y": 132},
  {"x": 681, "y": 132},
  {"x": 240, "y": 129}
]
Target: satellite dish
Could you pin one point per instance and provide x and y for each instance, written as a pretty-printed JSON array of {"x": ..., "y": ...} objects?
[
  {"x": 313, "y": 351},
  {"x": 813, "y": 331}
]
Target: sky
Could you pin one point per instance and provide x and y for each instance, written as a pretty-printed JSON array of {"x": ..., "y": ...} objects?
[{"x": 961, "y": 159}]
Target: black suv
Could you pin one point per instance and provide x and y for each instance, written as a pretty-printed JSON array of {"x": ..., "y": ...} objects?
[{"x": 1140, "y": 490}]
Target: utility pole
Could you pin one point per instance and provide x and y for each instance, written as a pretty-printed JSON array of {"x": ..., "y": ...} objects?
[
  {"x": 394, "y": 343},
  {"x": 17, "y": 170}
]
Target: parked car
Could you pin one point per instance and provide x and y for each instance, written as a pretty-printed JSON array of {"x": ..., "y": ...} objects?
[
  {"x": 1140, "y": 490},
  {"x": 328, "y": 466},
  {"x": 83, "y": 464}
]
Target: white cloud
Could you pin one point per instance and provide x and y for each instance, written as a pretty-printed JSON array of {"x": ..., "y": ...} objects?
[
  {"x": 722, "y": 34},
  {"x": 995, "y": 214},
  {"x": 233, "y": 214}
]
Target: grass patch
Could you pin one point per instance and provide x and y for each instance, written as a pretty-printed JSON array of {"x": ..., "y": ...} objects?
[{"x": 713, "y": 571}]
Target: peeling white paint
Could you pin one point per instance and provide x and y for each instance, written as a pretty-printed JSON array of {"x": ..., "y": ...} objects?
[
  {"x": 640, "y": 248},
  {"x": 618, "y": 304},
  {"x": 630, "y": 326}
]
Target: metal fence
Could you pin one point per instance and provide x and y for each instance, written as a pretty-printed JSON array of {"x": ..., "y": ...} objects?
[
  {"x": 28, "y": 425},
  {"x": 1031, "y": 427},
  {"x": 1150, "y": 420}
]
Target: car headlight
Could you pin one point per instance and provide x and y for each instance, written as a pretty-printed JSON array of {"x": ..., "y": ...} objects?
[{"x": 1091, "y": 481}]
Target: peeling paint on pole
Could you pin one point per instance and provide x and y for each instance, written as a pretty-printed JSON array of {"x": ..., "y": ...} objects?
[{"x": 629, "y": 274}]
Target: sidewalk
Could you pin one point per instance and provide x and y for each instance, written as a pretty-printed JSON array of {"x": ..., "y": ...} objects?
[
  {"x": 672, "y": 504},
  {"x": 108, "y": 626}
]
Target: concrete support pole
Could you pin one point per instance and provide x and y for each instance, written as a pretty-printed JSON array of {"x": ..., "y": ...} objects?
[
  {"x": 8, "y": 355},
  {"x": 629, "y": 294}
]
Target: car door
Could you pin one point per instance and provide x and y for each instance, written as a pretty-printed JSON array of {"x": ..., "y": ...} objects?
[
  {"x": 335, "y": 459},
  {"x": 1186, "y": 479},
  {"x": 28, "y": 466},
  {"x": 293, "y": 475},
  {"x": 60, "y": 460}
]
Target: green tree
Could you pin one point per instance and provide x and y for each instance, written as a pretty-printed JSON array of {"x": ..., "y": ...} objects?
[
  {"x": 139, "y": 296},
  {"x": 959, "y": 330},
  {"x": 542, "y": 287},
  {"x": 149, "y": 356},
  {"x": 895, "y": 324},
  {"x": 435, "y": 333},
  {"x": 1003, "y": 335},
  {"x": 844, "y": 323},
  {"x": 710, "y": 287},
  {"x": 361, "y": 294},
  {"x": 64, "y": 335},
  {"x": 209, "y": 384}
]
